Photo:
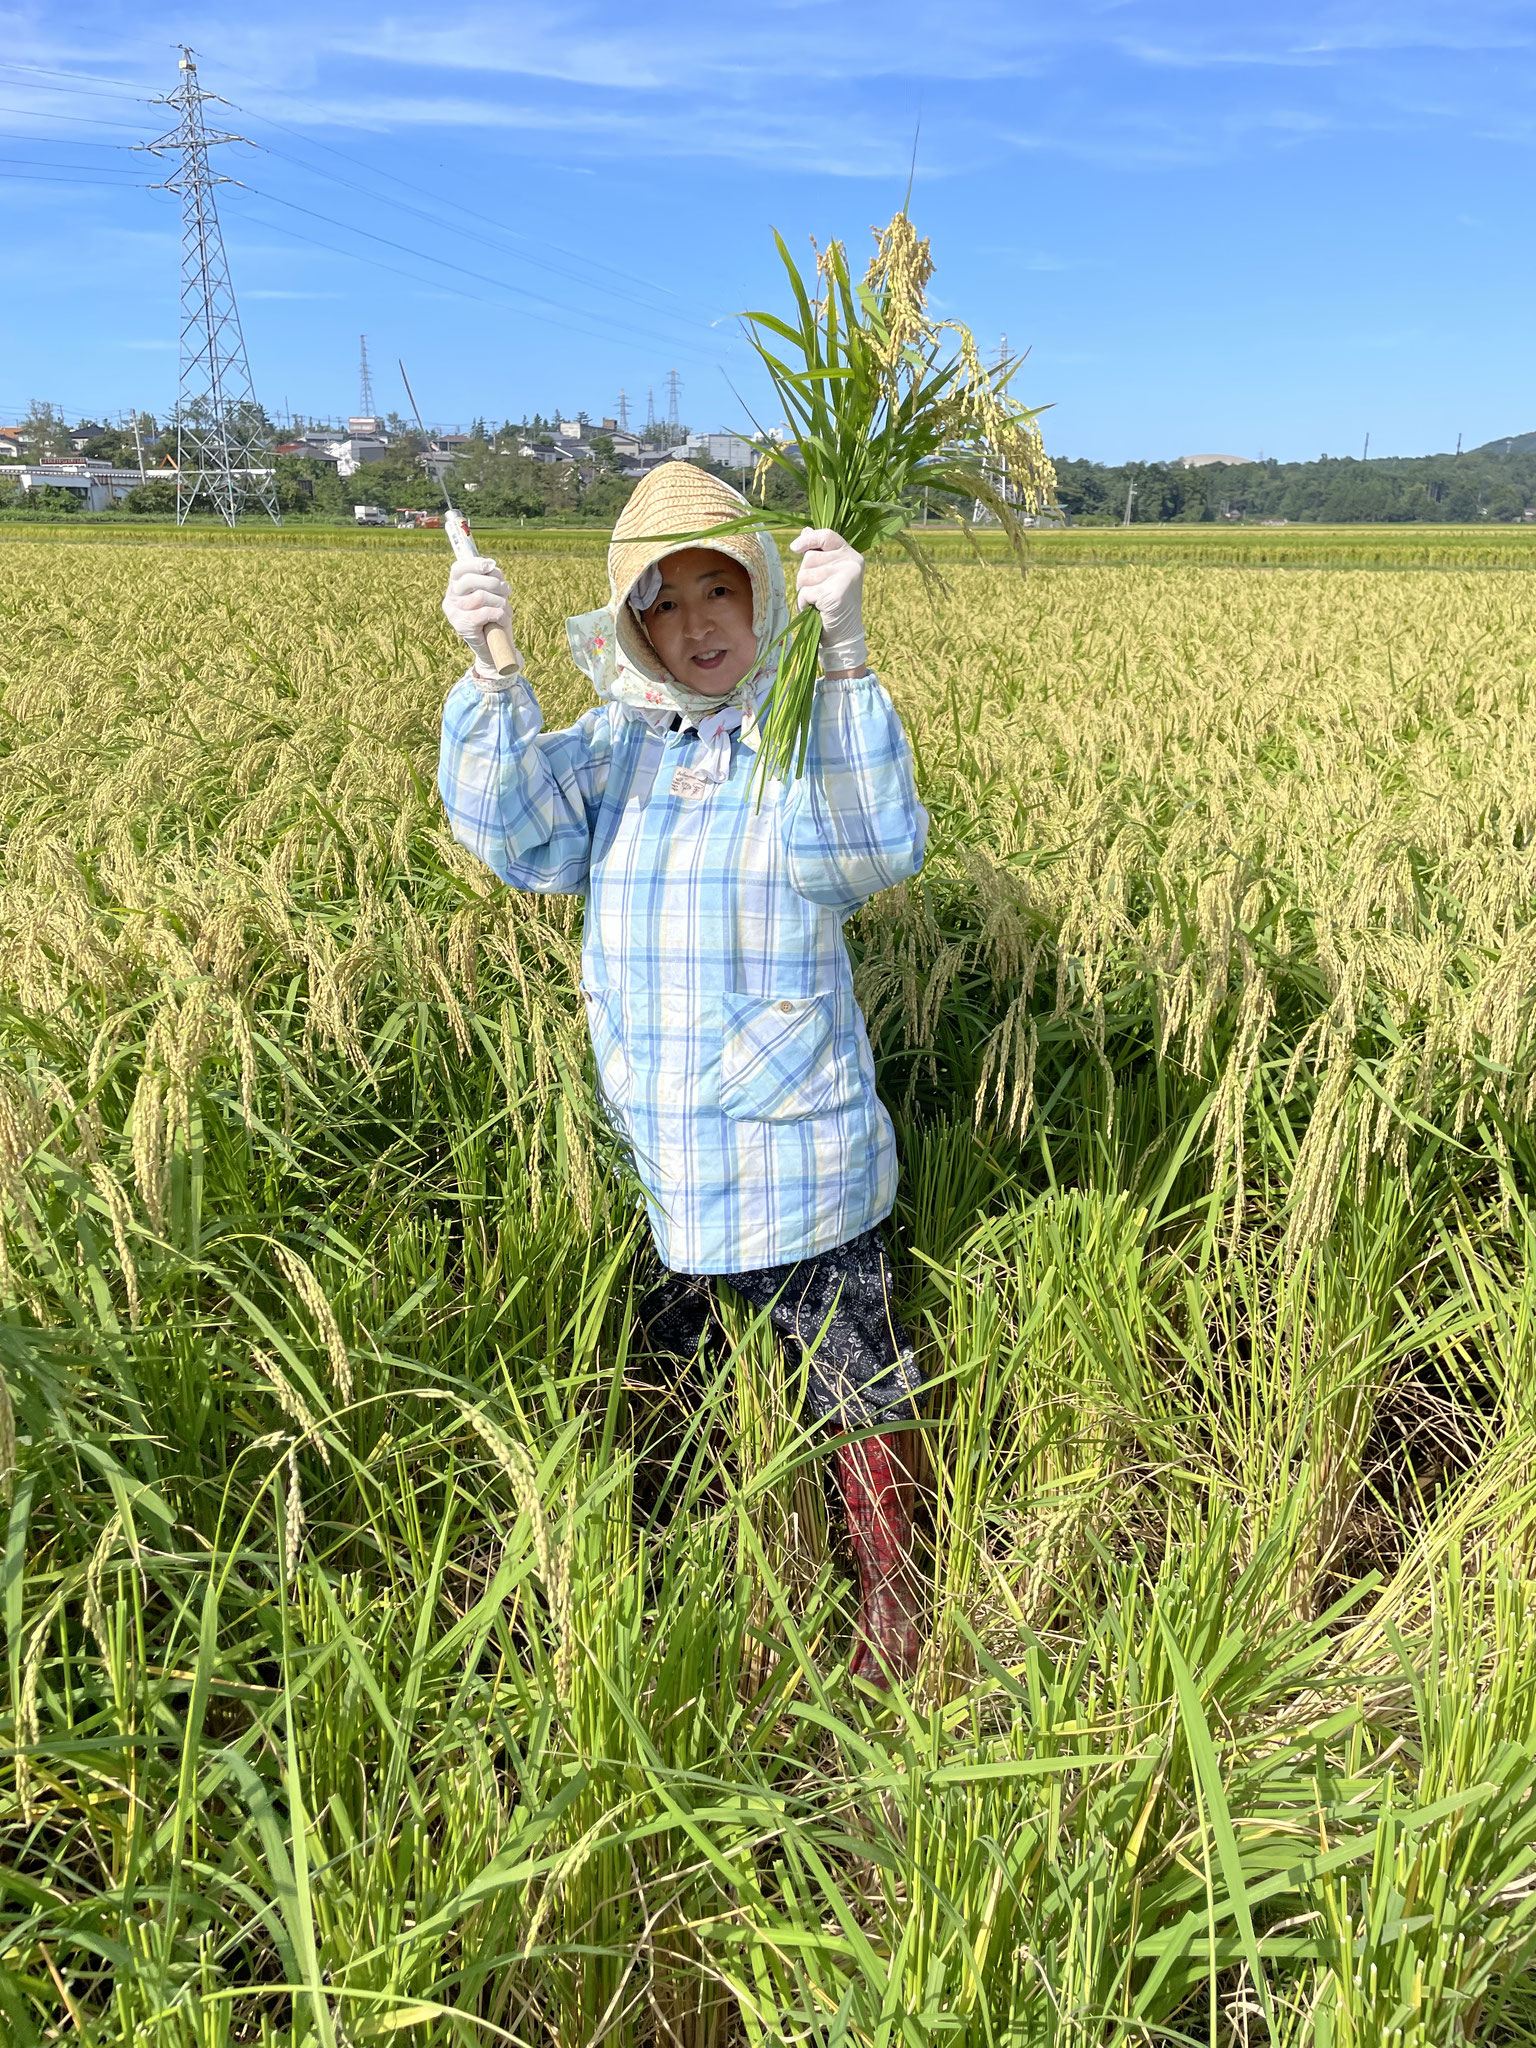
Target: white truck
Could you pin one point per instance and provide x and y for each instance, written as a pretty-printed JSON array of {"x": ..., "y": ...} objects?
[{"x": 370, "y": 515}]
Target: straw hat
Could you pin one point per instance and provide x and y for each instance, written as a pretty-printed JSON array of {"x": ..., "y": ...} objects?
[{"x": 678, "y": 498}]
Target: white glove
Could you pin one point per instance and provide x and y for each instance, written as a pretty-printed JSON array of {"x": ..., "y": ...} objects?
[
  {"x": 478, "y": 596},
  {"x": 832, "y": 579}
]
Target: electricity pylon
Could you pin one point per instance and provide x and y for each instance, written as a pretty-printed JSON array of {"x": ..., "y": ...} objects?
[
  {"x": 365, "y": 380},
  {"x": 674, "y": 384},
  {"x": 220, "y": 431}
]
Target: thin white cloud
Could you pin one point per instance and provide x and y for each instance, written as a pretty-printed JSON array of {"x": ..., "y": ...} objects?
[
  {"x": 785, "y": 87},
  {"x": 856, "y": 147}
]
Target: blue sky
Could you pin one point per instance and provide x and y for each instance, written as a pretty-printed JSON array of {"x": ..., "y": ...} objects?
[{"x": 1253, "y": 229}]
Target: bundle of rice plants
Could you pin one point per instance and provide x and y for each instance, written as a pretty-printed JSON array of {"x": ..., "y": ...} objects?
[{"x": 884, "y": 405}]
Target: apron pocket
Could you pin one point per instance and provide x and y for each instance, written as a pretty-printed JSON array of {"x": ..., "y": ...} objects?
[{"x": 780, "y": 1060}]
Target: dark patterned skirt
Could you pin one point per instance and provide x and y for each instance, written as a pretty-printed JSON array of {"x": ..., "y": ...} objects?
[{"x": 834, "y": 1309}]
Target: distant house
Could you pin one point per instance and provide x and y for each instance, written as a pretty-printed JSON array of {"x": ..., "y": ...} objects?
[
  {"x": 560, "y": 447},
  {"x": 311, "y": 448},
  {"x": 1207, "y": 461},
  {"x": 649, "y": 458},
  {"x": 438, "y": 457},
  {"x": 625, "y": 444},
  {"x": 96, "y": 484},
  {"x": 730, "y": 451},
  {"x": 86, "y": 432},
  {"x": 10, "y": 444}
]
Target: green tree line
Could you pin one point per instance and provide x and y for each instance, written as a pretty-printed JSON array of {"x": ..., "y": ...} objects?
[{"x": 1494, "y": 482}]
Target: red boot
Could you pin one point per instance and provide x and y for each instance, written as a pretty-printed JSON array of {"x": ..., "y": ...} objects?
[{"x": 877, "y": 1492}]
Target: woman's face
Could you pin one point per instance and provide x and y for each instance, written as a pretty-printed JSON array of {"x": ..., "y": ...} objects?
[{"x": 700, "y": 623}]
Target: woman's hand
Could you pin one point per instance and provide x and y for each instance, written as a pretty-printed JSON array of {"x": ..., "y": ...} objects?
[
  {"x": 832, "y": 580},
  {"x": 478, "y": 596}
]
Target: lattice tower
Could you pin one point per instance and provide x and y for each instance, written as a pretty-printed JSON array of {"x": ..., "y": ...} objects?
[{"x": 220, "y": 430}]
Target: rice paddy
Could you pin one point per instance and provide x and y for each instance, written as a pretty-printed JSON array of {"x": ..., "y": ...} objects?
[{"x": 392, "y": 1651}]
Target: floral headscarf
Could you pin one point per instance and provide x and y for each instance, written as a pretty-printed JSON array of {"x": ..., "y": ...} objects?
[
  {"x": 611, "y": 646},
  {"x": 597, "y": 652}
]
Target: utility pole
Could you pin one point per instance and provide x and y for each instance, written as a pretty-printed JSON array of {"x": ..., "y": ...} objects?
[
  {"x": 1458, "y": 444},
  {"x": 1129, "y": 496},
  {"x": 1366, "y": 456},
  {"x": 365, "y": 381},
  {"x": 138, "y": 442},
  {"x": 218, "y": 423}
]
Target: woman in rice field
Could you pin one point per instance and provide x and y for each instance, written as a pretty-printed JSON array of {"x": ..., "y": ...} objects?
[{"x": 731, "y": 1053}]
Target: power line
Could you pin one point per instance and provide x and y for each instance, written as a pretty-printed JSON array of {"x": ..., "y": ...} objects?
[
  {"x": 458, "y": 211},
  {"x": 78, "y": 120},
  {"x": 276, "y": 227},
  {"x": 536, "y": 300},
  {"x": 438, "y": 219},
  {"x": 95, "y": 78},
  {"x": 435, "y": 219},
  {"x": 64, "y": 141},
  {"x": 46, "y": 163},
  {"x": 543, "y": 305},
  {"x": 55, "y": 178}
]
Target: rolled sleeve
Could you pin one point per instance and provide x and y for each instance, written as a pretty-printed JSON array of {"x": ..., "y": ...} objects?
[
  {"x": 522, "y": 800},
  {"x": 853, "y": 822}
]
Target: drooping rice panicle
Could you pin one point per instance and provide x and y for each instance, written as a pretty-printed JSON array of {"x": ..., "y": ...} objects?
[{"x": 884, "y": 404}]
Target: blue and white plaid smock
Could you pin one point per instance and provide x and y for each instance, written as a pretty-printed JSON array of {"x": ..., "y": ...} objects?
[{"x": 730, "y": 1051}]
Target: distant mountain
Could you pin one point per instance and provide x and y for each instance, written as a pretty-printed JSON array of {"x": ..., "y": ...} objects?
[{"x": 1512, "y": 444}]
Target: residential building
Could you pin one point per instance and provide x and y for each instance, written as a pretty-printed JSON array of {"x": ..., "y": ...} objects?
[
  {"x": 561, "y": 447},
  {"x": 730, "y": 451},
  {"x": 364, "y": 441},
  {"x": 625, "y": 443},
  {"x": 354, "y": 450},
  {"x": 438, "y": 456},
  {"x": 310, "y": 447},
  {"x": 98, "y": 484},
  {"x": 649, "y": 458}
]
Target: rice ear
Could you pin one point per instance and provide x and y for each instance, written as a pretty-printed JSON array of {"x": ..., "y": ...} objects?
[{"x": 880, "y": 414}]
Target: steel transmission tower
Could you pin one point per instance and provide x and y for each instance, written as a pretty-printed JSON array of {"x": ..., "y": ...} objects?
[
  {"x": 673, "y": 386},
  {"x": 365, "y": 380},
  {"x": 219, "y": 431}
]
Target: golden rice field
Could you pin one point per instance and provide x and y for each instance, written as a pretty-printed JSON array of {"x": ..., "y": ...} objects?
[{"x": 392, "y": 1652}]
